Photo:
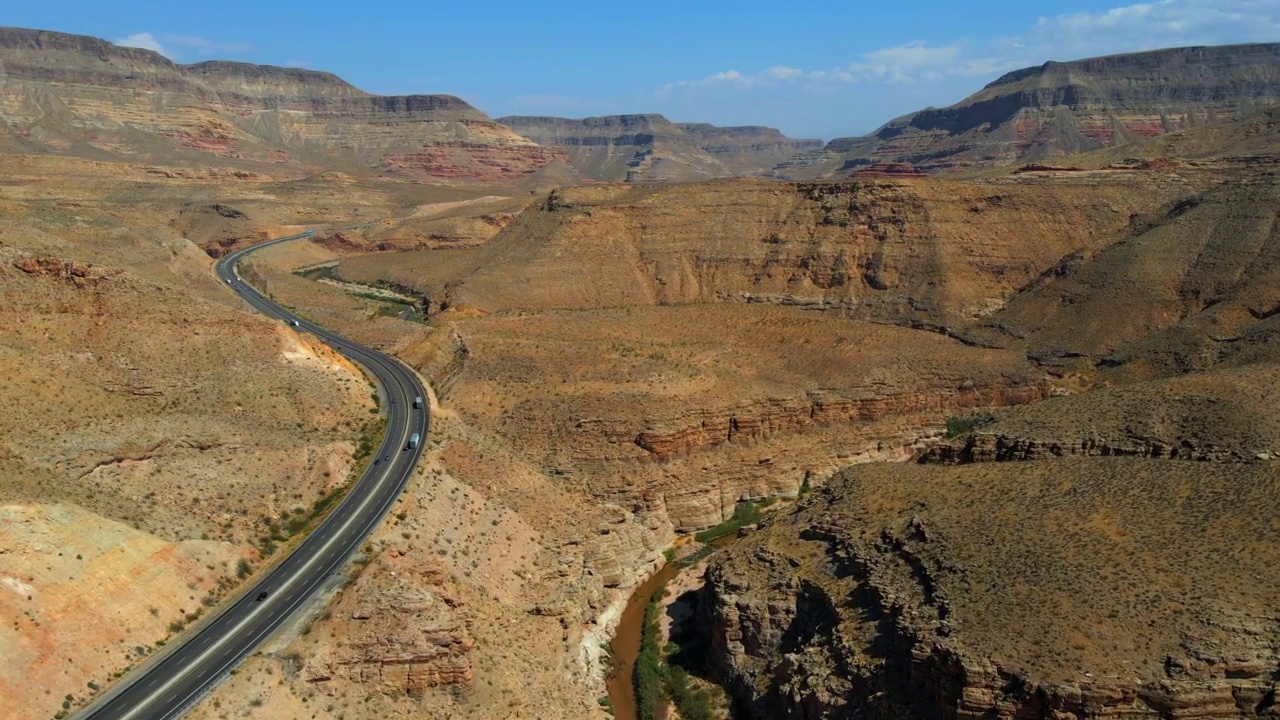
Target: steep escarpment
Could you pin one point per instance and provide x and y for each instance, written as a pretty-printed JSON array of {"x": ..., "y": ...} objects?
[
  {"x": 1198, "y": 284},
  {"x": 79, "y": 95},
  {"x": 1063, "y": 587},
  {"x": 650, "y": 148},
  {"x": 1228, "y": 414},
  {"x": 935, "y": 253},
  {"x": 653, "y": 413},
  {"x": 1061, "y": 108}
]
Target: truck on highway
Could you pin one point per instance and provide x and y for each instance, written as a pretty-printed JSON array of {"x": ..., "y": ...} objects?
[
  {"x": 413, "y": 441},
  {"x": 417, "y": 402}
]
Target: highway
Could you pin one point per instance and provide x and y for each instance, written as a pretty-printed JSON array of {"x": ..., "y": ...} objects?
[{"x": 190, "y": 665}]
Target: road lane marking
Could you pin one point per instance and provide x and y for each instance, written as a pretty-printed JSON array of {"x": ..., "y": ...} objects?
[{"x": 374, "y": 494}]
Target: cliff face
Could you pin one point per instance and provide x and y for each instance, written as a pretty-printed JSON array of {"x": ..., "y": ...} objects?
[
  {"x": 1061, "y": 108},
  {"x": 650, "y": 148},
  {"x": 909, "y": 251},
  {"x": 915, "y": 592},
  {"x": 68, "y": 93}
]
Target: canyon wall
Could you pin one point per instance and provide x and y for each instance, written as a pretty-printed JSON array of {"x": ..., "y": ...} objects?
[
  {"x": 912, "y": 251},
  {"x": 650, "y": 148},
  {"x": 79, "y": 95},
  {"x": 1062, "y": 108},
  {"x": 975, "y": 592}
]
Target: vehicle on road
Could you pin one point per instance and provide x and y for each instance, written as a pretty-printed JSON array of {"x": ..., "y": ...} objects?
[
  {"x": 262, "y": 595},
  {"x": 294, "y": 323},
  {"x": 417, "y": 403},
  {"x": 413, "y": 441}
]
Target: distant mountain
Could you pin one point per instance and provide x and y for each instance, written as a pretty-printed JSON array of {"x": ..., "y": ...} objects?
[
  {"x": 1063, "y": 108},
  {"x": 651, "y": 148},
  {"x": 80, "y": 95}
]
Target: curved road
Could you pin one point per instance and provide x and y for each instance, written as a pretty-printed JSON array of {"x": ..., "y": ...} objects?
[{"x": 173, "y": 680}]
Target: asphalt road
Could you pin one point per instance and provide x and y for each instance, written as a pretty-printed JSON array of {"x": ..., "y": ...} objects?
[{"x": 193, "y": 663}]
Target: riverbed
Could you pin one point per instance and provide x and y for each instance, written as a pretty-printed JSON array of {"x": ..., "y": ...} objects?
[{"x": 625, "y": 646}]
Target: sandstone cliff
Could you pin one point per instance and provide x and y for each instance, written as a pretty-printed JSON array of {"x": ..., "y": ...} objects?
[
  {"x": 650, "y": 148},
  {"x": 1198, "y": 283},
  {"x": 80, "y": 95},
  {"x": 1065, "y": 588},
  {"x": 930, "y": 252},
  {"x": 1061, "y": 108}
]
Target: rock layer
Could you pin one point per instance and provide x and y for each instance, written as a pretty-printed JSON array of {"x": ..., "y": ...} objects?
[
  {"x": 400, "y": 637},
  {"x": 968, "y": 593},
  {"x": 70, "y": 93},
  {"x": 1061, "y": 108},
  {"x": 911, "y": 251},
  {"x": 650, "y": 148}
]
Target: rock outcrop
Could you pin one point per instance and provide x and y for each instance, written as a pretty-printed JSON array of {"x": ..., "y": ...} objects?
[
  {"x": 400, "y": 635},
  {"x": 758, "y": 420},
  {"x": 650, "y": 148},
  {"x": 1062, "y": 108},
  {"x": 81, "y": 95},
  {"x": 912, "y": 592},
  {"x": 936, "y": 253}
]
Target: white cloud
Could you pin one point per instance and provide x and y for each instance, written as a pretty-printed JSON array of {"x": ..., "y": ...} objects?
[
  {"x": 204, "y": 46},
  {"x": 1128, "y": 28},
  {"x": 145, "y": 41},
  {"x": 165, "y": 45}
]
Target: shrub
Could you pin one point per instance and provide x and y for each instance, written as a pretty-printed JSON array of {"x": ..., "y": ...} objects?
[{"x": 957, "y": 426}]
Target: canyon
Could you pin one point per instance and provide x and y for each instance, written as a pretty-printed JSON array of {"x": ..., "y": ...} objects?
[
  {"x": 1018, "y": 416},
  {"x": 912, "y": 592}
]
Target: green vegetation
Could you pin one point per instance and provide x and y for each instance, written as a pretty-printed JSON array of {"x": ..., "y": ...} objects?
[
  {"x": 694, "y": 703},
  {"x": 371, "y": 436},
  {"x": 658, "y": 682},
  {"x": 328, "y": 272},
  {"x": 391, "y": 308},
  {"x": 957, "y": 426},
  {"x": 746, "y": 513},
  {"x": 649, "y": 676}
]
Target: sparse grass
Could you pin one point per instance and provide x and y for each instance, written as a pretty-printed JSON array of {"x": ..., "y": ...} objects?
[
  {"x": 744, "y": 513},
  {"x": 957, "y": 426}
]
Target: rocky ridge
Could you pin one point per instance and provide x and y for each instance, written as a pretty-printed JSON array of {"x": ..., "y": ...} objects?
[
  {"x": 80, "y": 95},
  {"x": 911, "y": 592},
  {"x": 871, "y": 249},
  {"x": 650, "y": 148},
  {"x": 1062, "y": 108}
]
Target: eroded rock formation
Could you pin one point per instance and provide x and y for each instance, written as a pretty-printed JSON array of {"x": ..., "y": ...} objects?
[
  {"x": 399, "y": 633},
  {"x": 1062, "y": 108},
  {"x": 968, "y": 593},
  {"x": 77, "y": 94},
  {"x": 650, "y": 148}
]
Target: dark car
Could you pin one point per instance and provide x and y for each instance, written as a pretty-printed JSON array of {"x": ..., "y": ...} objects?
[{"x": 262, "y": 595}]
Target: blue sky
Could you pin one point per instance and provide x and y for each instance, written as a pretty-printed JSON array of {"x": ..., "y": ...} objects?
[{"x": 813, "y": 69}]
